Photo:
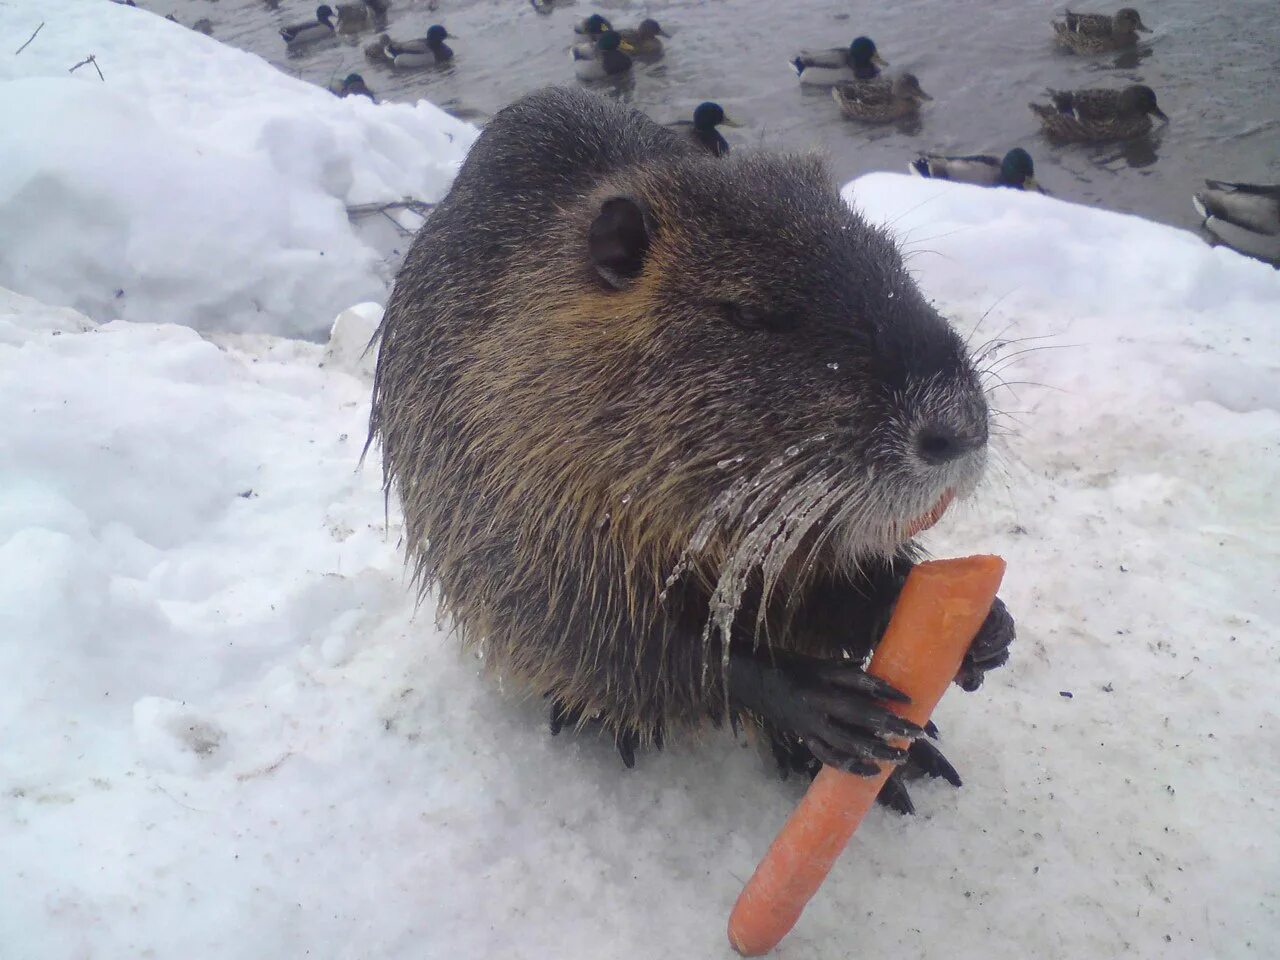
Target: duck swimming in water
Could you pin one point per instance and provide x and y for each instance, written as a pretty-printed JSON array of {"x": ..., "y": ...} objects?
[
  {"x": 609, "y": 59},
  {"x": 1244, "y": 216},
  {"x": 1097, "y": 32},
  {"x": 354, "y": 86},
  {"x": 1015, "y": 170},
  {"x": 643, "y": 40},
  {"x": 354, "y": 17},
  {"x": 426, "y": 52},
  {"x": 1097, "y": 115},
  {"x": 880, "y": 101},
  {"x": 702, "y": 129},
  {"x": 310, "y": 30},
  {"x": 858, "y": 61}
]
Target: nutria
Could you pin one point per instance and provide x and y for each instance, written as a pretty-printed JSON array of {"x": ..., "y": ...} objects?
[{"x": 662, "y": 427}]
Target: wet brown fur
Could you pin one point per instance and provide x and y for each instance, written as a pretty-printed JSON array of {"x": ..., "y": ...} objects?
[{"x": 552, "y": 463}]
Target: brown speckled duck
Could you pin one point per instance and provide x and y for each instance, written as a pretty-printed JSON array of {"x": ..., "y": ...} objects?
[
  {"x": 1097, "y": 32},
  {"x": 880, "y": 101},
  {"x": 1097, "y": 115}
]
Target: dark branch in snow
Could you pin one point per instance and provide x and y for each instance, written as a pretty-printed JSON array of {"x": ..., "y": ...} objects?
[
  {"x": 29, "y": 39},
  {"x": 92, "y": 58}
]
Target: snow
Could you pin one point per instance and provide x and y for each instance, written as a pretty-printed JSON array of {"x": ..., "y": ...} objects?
[
  {"x": 198, "y": 181},
  {"x": 230, "y": 732}
]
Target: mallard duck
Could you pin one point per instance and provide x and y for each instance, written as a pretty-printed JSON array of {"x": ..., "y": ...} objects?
[
  {"x": 425, "y": 52},
  {"x": 353, "y": 85},
  {"x": 1245, "y": 216},
  {"x": 825, "y": 68},
  {"x": 311, "y": 30},
  {"x": 643, "y": 40},
  {"x": 1097, "y": 32},
  {"x": 1095, "y": 115},
  {"x": 703, "y": 130},
  {"x": 607, "y": 59},
  {"x": 880, "y": 101},
  {"x": 353, "y": 17},
  {"x": 1015, "y": 170}
]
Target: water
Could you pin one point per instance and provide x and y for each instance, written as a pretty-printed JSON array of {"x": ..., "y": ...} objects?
[{"x": 1214, "y": 68}]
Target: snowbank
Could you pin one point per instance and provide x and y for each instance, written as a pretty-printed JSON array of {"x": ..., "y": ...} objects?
[
  {"x": 198, "y": 184},
  {"x": 228, "y": 733}
]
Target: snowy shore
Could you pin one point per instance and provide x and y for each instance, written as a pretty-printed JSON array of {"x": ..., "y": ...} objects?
[{"x": 228, "y": 733}]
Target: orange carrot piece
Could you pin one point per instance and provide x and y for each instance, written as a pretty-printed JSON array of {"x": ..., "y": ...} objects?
[{"x": 937, "y": 615}]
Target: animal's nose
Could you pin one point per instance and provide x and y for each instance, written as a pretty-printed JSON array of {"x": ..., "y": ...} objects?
[{"x": 938, "y": 443}]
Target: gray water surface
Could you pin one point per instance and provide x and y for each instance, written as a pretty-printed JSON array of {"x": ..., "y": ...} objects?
[{"x": 1215, "y": 68}]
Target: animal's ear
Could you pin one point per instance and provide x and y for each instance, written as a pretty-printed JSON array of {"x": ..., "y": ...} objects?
[{"x": 618, "y": 241}]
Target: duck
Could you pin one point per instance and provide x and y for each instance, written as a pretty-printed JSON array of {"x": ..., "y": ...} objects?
[
  {"x": 353, "y": 85},
  {"x": 702, "y": 129},
  {"x": 643, "y": 40},
  {"x": 1097, "y": 32},
  {"x": 880, "y": 101},
  {"x": 310, "y": 30},
  {"x": 425, "y": 52},
  {"x": 825, "y": 68},
  {"x": 608, "y": 59},
  {"x": 1244, "y": 216},
  {"x": 354, "y": 17},
  {"x": 1015, "y": 170},
  {"x": 1097, "y": 115}
]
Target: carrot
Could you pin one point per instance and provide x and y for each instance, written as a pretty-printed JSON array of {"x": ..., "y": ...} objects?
[{"x": 938, "y": 613}]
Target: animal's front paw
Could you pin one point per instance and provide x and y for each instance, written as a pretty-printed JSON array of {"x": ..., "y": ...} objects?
[
  {"x": 989, "y": 649},
  {"x": 833, "y": 706}
]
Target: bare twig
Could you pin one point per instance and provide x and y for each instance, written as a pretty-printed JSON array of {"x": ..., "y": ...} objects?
[
  {"x": 29, "y": 39},
  {"x": 90, "y": 59},
  {"x": 420, "y": 207}
]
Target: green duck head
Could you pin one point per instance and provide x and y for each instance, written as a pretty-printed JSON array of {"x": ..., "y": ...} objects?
[
  {"x": 595, "y": 25},
  {"x": 862, "y": 53},
  {"x": 710, "y": 115},
  {"x": 1017, "y": 170},
  {"x": 609, "y": 40}
]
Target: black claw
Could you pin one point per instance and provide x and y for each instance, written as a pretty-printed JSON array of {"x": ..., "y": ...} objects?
[
  {"x": 562, "y": 717},
  {"x": 898, "y": 727},
  {"x": 931, "y": 729},
  {"x": 847, "y": 762},
  {"x": 781, "y": 756},
  {"x": 627, "y": 748},
  {"x": 848, "y": 676},
  {"x": 894, "y": 796},
  {"x": 925, "y": 757},
  {"x": 859, "y": 743}
]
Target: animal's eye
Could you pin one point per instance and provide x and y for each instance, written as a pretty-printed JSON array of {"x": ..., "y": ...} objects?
[{"x": 747, "y": 318}]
